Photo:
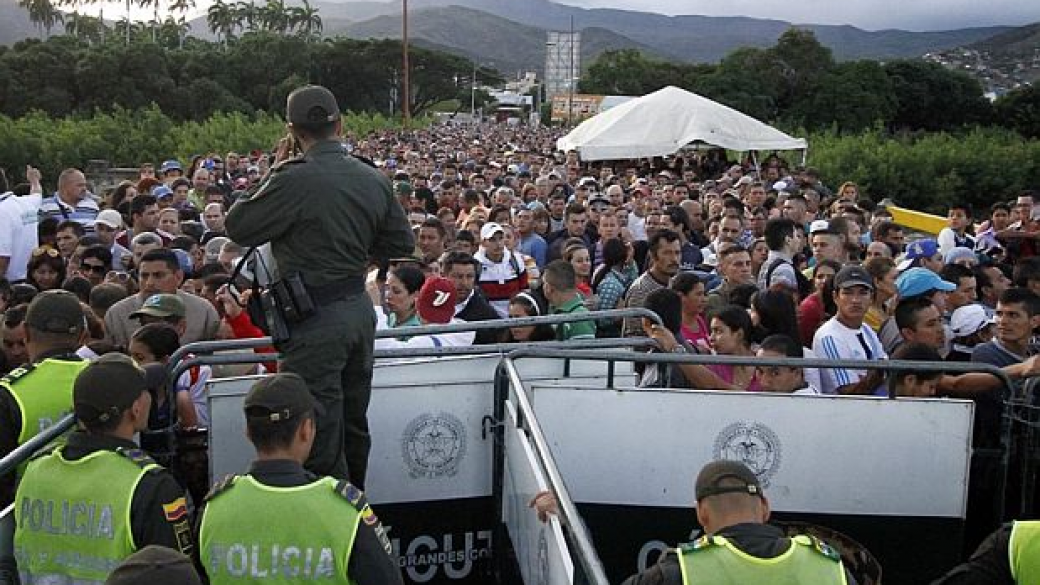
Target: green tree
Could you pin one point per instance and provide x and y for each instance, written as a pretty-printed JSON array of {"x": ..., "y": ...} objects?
[
  {"x": 930, "y": 97},
  {"x": 182, "y": 7},
  {"x": 1020, "y": 110},
  {"x": 800, "y": 63},
  {"x": 221, "y": 19},
  {"x": 854, "y": 96},
  {"x": 44, "y": 14}
]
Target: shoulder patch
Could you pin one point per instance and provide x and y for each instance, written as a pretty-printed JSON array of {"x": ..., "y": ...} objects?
[
  {"x": 824, "y": 549},
  {"x": 16, "y": 374},
  {"x": 137, "y": 456},
  {"x": 701, "y": 543},
  {"x": 352, "y": 494},
  {"x": 221, "y": 486}
]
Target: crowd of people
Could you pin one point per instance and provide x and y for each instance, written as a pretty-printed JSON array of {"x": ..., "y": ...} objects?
[{"x": 738, "y": 258}]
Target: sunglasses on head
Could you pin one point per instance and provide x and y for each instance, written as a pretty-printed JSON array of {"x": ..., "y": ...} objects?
[{"x": 45, "y": 250}]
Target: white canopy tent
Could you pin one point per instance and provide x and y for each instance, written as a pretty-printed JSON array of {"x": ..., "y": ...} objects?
[{"x": 665, "y": 121}]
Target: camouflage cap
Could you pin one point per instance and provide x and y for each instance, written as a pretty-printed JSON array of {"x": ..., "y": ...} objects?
[
  {"x": 162, "y": 306},
  {"x": 311, "y": 105}
]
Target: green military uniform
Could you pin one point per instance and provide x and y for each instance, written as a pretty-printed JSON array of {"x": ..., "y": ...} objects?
[
  {"x": 575, "y": 329},
  {"x": 326, "y": 215}
]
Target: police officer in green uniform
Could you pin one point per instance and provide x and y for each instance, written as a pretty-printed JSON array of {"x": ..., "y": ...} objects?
[
  {"x": 1009, "y": 556},
  {"x": 280, "y": 523},
  {"x": 327, "y": 215},
  {"x": 85, "y": 506},
  {"x": 738, "y": 546},
  {"x": 38, "y": 395}
]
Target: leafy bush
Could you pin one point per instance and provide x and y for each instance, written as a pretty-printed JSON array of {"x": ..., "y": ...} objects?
[
  {"x": 928, "y": 171},
  {"x": 127, "y": 138}
]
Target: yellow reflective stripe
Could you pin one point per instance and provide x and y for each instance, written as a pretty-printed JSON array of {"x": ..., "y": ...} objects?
[{"x": 682, "y": 565}]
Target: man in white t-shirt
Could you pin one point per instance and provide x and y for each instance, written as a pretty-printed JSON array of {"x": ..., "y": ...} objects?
[
  {"x": 845, "y": 336},
  {"x": 18, "y": 234}
]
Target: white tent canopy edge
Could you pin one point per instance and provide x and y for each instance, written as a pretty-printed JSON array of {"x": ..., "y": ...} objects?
[{"x": 663, "y": 122}]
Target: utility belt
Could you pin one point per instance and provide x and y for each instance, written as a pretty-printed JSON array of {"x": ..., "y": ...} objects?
[{"x": 290, "y": 301}]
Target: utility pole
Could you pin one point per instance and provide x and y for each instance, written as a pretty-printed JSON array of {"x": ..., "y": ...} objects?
[
  {"x": 406, "y": 93},
  {"x": 473, "y": 94},
  {"x": 570, "y": 77}
]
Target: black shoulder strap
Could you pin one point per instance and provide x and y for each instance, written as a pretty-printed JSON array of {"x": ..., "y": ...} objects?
[
  {"x": 352, "y": 494},
  {"x": 137, "y": 456},
  {"x": 17, "y": 374},
  {"x": 221, "y": 486}
]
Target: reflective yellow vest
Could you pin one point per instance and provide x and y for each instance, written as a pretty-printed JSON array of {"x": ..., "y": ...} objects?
[
  {"x": 254, "y": 533},
  {"x": 1024, "y": 549},
  {"x": 714, "y": 560},
  {"x": 43, "y": 393},
  {"x": 73, "y": 517}
]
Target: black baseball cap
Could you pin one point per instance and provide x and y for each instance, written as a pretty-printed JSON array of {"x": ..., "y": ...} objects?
[
  {"x": 311, "y": 105},
  {"x": 107, "y": 387},
  {"x": 742, "y": 480},
  {"x": 56, "y": 311},
  {"x": 155, "y": 564},
  {"x": 853, "y": 275},
  {"x": 279, "y": 398}
]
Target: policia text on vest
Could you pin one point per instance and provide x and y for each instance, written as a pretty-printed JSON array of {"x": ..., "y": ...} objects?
[{"x": 68, "y": 529}]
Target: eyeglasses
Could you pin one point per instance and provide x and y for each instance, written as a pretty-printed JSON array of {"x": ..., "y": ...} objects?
[
  {"x": 45, "y": 250},
  {"x": 96, "y": 268}
]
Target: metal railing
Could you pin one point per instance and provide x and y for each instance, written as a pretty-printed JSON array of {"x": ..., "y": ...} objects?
[
  {"x": 569, "y": 516},
  {"x": 508, "y": 374},
  {"x": 30, "y": 447},
  {"x": 204, "y": 347}
]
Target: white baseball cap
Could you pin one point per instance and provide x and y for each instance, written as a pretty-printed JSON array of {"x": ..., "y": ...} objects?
[
  {"x": 490, "y": 229},
  {"x": 111, "y": 218}
]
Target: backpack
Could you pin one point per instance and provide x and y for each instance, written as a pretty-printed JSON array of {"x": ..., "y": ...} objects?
[{"x": 805, "y": 288}]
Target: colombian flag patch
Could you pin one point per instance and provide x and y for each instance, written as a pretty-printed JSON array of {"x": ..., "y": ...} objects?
[{"x": 175, "y": 510}]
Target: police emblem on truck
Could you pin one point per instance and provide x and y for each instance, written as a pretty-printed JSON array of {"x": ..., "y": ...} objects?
[{"x": 753, "y": 444}]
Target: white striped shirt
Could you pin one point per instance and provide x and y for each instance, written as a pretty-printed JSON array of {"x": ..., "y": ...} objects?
[{"x": 835, "y": 341}]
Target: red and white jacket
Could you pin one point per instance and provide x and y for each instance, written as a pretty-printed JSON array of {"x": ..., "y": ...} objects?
[{"x": 499, "y": 281}]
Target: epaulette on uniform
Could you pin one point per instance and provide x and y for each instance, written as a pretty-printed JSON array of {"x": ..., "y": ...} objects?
[
  {"x": 823, "y": 548},
  {"x": 352, "y": 494},
  {"x": 699, "y": 544},
  {"x": 365, "y": 160},
  {"x": 221, "y": 486},
  {"x": 137, "y": 457},
  {"x": 16, "y": 374}
]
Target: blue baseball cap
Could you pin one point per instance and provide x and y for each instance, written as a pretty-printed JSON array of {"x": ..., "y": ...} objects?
[
  {"x": 918, "y": 281},
  {"x": 161, "y": 192},
  {"x": 925, "y": 248},
  {"x": 170, "y": 165}
]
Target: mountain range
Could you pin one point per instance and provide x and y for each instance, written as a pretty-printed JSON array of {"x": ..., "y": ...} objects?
[{"x": 510, "y": 35}]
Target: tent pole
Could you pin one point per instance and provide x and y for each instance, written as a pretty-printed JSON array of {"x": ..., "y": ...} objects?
[{"x": 754, "y": 159}]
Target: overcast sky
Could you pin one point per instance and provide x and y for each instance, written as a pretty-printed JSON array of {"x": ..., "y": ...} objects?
[{"x": 867, "y": 14}]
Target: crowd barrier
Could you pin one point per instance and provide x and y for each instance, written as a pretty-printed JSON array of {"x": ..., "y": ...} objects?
[
  {"x": 462, "y": 439},
  {"x": 889, "y": 474}
]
